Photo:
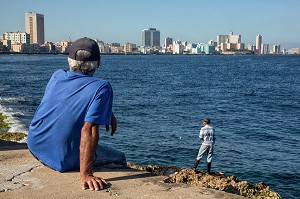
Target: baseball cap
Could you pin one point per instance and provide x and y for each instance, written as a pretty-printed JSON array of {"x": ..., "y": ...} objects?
[{"x": 85, "y": 44}]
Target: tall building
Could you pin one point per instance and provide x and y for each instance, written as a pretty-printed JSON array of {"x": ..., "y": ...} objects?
[
  {"x": 258, "y": 43},
  {"x": 168, "y": 42},
  {"x": 265, "y": 49},
  {"x": 276, "y": 49},
  {"x": 230, "y": 38},
  {"x": 222, "y": 39},
  {"x": 230, "y": 42},
  {"x": 235, "y": 39},
  {"x": 34, "y": 25},
  {"x": 151, "y": 37}
]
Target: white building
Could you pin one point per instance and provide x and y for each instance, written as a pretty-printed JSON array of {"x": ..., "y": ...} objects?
[
  {"x": 294, "y": 51},
  {"x": 178, "y": 47},
  {"x": 258, "y": 43},
  {"x": 235, "y": 39},
  {"x": 212, "y": 43},
  {"x": 276, "y": 49},
  {"x": 17, "y": 37},
  {"x": 230, "y": 42},
  {"x": 251, "y": 47},
  {"x": 265, "y": 49},
  {"x": 221, "y": 39}
]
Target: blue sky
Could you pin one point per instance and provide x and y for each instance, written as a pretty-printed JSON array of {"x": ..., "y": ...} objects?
[{"x": 187, "y": 20}]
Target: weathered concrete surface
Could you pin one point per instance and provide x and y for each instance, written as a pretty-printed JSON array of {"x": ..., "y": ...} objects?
[{"x": 22, "y": 176}]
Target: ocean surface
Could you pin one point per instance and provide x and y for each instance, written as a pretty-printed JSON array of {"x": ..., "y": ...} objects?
[{"x": 160, "y": 100}]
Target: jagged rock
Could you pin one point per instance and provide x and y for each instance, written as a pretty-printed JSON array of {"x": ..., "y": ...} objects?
[
  {"x": 221, "y": 182},
  {"x": 216, "y": 180}
]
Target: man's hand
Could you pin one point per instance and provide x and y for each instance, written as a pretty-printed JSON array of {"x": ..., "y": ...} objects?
[
  {"x": 92, "y": 182},
  {"x": 88, "y": 144},
  {"x": 113, "y": 124}
]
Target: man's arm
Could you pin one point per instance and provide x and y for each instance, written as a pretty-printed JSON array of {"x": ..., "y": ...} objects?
[
  {"x": 113, "y": 124},
  {"x": 88, "y": 144},
  {"x": 201, "y": 135}
]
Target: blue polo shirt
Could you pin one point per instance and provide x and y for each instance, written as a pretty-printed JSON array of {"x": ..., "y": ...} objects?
[{"x": 70, "y": 99}]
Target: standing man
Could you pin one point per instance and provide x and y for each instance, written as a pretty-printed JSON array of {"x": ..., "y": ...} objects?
[
  {"x": 207, "y": 136},
  {"x": 64, "y": 132}
]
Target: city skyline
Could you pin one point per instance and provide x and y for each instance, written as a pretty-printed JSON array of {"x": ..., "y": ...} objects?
[{"x": 192, "y": 21}]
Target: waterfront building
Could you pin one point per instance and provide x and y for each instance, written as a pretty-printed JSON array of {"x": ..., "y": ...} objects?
[
  {"x": 65, "y": 46},
  {"x": 222, "y": 39},
  {"x": 104, "y": 48},
  {"x": 235, "y": 39},
  {"x": 17, "y": 37},
  {"x": 151, "y": 37},
  {"x": 240, "y": 46},
  {"x": 18, "y": 47},
  {"x": 168, "y": 42},
  {"x": 128, "y": 48},
  {"x": 230, "y": 46},
  {"x": 6, "y": 45},
  {"x": 178, "y": 47},
  {"x": 265, "y": 49},
  {"x": 230, "y": 42},
  {"x": 50, "y": 47},
  {"x": 115, "y": 48},
  {"x": 188, "y": 47},
  {"x": 251, "y": 47},
  {"x": 203, "y": 49},
  {"x": 293, "y": 51},
  {"x": 168, "y": 46},
  {"x": 212, "y": 43},
  {"x": 276, "y": 49},
  {"x": 34, "y": 25},
  {"x": 258, "y": 44},
  {"x": 284, "y": 51},
  {"x": 115, "y": 45},
  {"x": 146, "y": 50}
]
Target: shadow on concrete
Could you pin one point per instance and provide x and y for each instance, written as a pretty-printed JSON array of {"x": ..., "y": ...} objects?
[
  {"x": 134, "y": 176},
  {"x": 8, "y": 145}
]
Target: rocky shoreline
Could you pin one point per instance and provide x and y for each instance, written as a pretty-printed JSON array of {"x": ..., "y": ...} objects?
[{"x": 214, "y": 180}]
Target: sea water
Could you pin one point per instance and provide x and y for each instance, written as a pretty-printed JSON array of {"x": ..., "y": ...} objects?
[{"x": 160, "y": 100}]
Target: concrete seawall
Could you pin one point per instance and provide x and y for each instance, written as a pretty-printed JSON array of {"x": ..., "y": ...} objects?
[{"x": 22, "y": 176}]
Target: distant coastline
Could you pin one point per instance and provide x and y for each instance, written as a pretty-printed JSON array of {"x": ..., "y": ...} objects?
[
  {"x": 228, "y": 53},
  {"x": 17, "y": 53}
]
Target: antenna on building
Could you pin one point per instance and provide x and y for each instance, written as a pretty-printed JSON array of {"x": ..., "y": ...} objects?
[{"x": 70, "y": 39}]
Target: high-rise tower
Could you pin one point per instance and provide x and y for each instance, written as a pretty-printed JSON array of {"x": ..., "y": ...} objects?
[
  {"x": 258, "y": 43},
  {"x": 168, "y": 42},
  {"x": 34, "y": 25},
  {"x": 150, "y": 37}
]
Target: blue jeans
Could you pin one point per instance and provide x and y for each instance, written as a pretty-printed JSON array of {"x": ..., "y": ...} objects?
[
  {"x": 107, "y": 155},
  {"x": 209, "y": 149}
]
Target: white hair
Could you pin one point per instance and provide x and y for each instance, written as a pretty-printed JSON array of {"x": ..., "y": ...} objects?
[{"x": 86, "y": 67}]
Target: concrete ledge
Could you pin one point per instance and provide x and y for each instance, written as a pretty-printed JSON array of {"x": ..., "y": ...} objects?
[{"x": 22, "y": 176}]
